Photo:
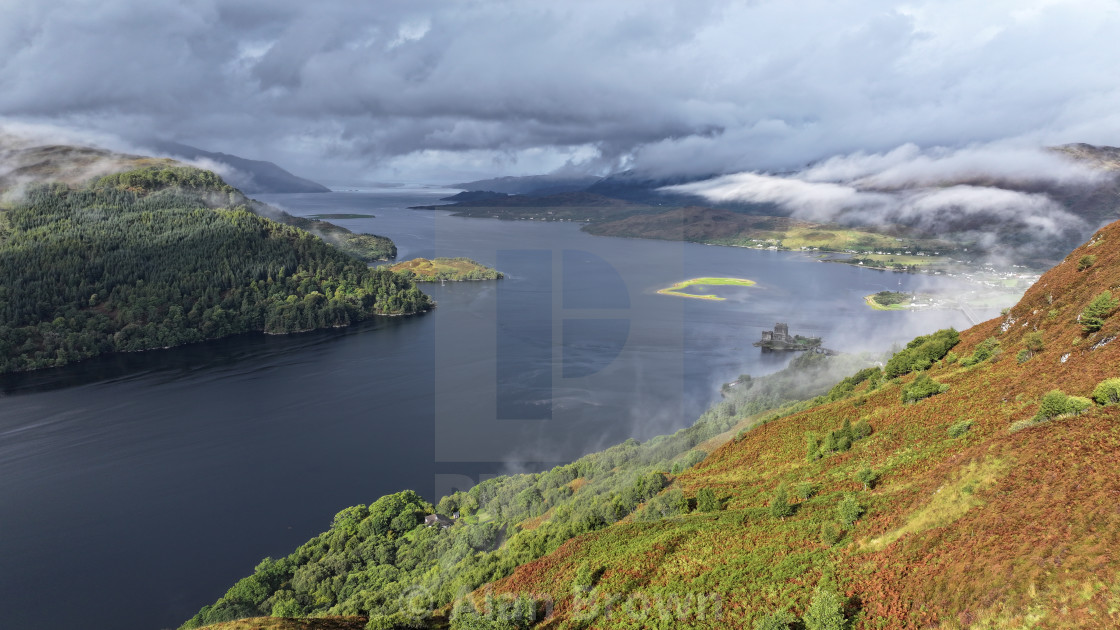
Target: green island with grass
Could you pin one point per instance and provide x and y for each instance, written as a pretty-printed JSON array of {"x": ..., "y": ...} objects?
[
  {"x": 676, "y": 289},
  {"x": 446, "y": 269},
  {"x": 889, "y": 301}
]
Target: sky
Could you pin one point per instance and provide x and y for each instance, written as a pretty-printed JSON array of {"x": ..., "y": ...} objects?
[{"x": 442, "y": 91}]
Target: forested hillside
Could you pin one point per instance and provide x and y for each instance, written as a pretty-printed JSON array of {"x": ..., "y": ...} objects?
[
  {"x": 969, "y": 482},
  {"x": 162, "y": 256}
]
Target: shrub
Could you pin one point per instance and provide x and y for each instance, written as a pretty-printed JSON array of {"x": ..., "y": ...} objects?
[
  {"x": 1107, "y": 392},
  {"x": 830, "y": 534},
  {"x": 706, "y": 501},
  {"x": 806, "y": 490},
  {"x": 844, "y": 388},
  {"x": 920, "y": 353},
  {"x": 959, "y": 428},
  {"x": 1023, "y": 355},
  {"x": 849, "y": 510},
  {"x": 867, "y": 477},
  {"x": 984, "y": 350},
  {"x": 1092, "y": 318},
  {"x": 1086, "y": 262},
  {"x": 777, "y": 620},
  {"x": 861, "y": 430},
  {"x": 922, "y": 387},
  {"x": 1056, "y": 403},
  {"x": 779, "y": 503}
]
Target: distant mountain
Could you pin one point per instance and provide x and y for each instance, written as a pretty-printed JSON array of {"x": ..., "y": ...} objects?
[
  {"x": 643, "y": 188},
  {"x": 489, "y": 199},
  {"x": 531, "y": 184},
  {"x": 250, "y": 176},
  {"x": 473, "y": 196}
]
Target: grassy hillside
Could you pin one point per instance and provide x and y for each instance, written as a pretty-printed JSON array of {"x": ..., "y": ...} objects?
[{"x": 162, "y": 256}]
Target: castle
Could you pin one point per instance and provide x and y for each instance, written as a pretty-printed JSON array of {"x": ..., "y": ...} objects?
[{"x": 780, "y": 339}]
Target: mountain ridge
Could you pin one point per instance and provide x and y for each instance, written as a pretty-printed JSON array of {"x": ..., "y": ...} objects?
[{"x": 250, "y": 176}]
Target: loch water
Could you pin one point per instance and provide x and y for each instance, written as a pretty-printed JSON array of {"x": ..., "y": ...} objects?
[{"x": 136, "y": 488}]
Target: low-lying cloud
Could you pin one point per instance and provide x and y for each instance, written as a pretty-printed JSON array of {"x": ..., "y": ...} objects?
[{"x": 970, "y": 193}]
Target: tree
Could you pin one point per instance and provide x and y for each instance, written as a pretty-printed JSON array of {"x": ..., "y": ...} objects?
[
  {"x": 867, "y": 477},
  {"x": 1092, "y": 318},
  {"x": 849, "y": 510},
  {"x": 288, "y": 607},
  {"x": 812, "y": 447},
  {"x": 829, "y": 445},
  {"x": 706, "y": 501},
  {"x": 779, "y": 503},
  {"x": 825, "y": 612}
]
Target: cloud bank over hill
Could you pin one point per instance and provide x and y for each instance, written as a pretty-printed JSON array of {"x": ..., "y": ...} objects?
[
  {"x": 973, "y": 192},
  {"x": 425, "y": 89}
]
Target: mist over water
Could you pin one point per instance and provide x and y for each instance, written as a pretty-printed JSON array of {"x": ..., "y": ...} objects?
[{"x": 137, "y": 488}]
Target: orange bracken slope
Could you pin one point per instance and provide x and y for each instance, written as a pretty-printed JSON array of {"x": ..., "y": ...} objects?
[{"x": 1005, "y": 526}]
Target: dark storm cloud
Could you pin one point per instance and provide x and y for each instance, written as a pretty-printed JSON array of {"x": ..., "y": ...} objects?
[{"x": 414, "y": 89}]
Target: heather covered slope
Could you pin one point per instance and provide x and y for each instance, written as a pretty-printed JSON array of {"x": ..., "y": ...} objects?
[{"x": 981, "y": 513}]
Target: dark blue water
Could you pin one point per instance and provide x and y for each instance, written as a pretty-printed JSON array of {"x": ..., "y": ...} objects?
[{"x": 136, "y": 488}]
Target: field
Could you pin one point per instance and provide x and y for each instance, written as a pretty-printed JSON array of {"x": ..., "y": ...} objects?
[{"x": 677, "y": 289}]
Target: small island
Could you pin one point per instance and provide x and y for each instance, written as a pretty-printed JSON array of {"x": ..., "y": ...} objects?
[
  {"x": 446, "y": 269},
  {"x": 676, "y": 289},
  {"x": 889, "y": 301}
]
